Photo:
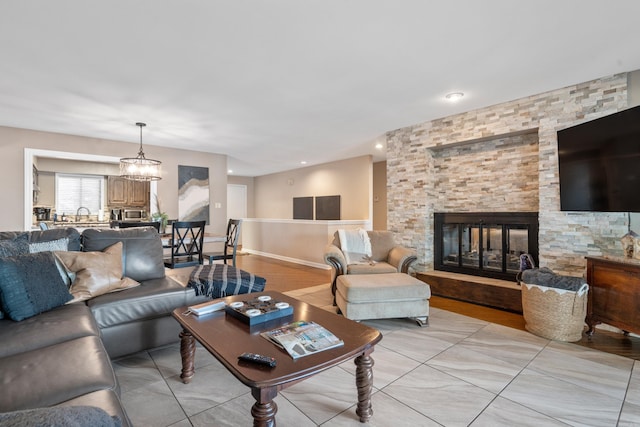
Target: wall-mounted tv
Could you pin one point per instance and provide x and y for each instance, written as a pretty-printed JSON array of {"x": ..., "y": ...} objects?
[{"x": 599, "y": 164}]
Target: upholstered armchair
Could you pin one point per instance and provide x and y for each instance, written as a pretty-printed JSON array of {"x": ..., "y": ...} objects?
[{"x": 386, "y": 257}]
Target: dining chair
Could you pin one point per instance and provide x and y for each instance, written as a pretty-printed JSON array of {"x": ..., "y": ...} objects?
[
  {"x": 186, "y": 242},
  {"x": 230, "y": 244}
]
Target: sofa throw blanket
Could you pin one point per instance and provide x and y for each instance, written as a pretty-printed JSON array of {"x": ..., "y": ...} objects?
[
  {"x": 356, "y": 246},
  {"x": 545, "y": 277},
  {"x": 221, "y": 280}
]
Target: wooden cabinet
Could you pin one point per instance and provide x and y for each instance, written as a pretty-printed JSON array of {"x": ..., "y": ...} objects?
[
  {"x": 124, "y": 192},
  {"x": 614, "y": 293}
]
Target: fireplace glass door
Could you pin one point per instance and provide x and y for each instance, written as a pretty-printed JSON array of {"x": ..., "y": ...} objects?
[{"x": 483, "y": 245}]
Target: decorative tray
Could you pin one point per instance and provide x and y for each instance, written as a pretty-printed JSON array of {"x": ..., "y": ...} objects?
[{"x": 258, "y": 310}]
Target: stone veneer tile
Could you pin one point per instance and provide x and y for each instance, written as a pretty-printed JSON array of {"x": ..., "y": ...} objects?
[{"x": 463, "y": 162}]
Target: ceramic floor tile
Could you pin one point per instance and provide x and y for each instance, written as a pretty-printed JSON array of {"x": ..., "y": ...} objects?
[
  {"x": 562, "y": 400},
  {"x": 565, "y": 365},
  {"x": 476, "y": 368},
  {"x": 388, "y": 366},
  {"x": 136, "y": 371},
  {"x": 633, "y": 391},
  {"x": 630, "y": 415},
  {"x": 324, "y": 395},
  {"x": 386, "y": 412},
  {"x": 389, "y": 325},
  {"x": 504, "y": 413},
  {"x": 509, "y": 345},
  {"x": 169, "y": 361},
  {"x": 211, "y": 386},
  {"x": 237, "y": 412},
  {"x": 182, "y": 423},
  {"x": 589, "y": 354},
  {"x": 439, "y": 396},
  {"x": 153, "y": 405},
  {"x": 442, "y": 374},
  {"x": 414, "y": 344}
]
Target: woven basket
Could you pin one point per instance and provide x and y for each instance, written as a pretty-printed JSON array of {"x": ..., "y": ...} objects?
[{"x": 554, "y": 314}]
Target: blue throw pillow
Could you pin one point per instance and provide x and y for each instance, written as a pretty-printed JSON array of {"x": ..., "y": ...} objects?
[
  {"x": 31, "y": 284},
  {"x": 18, "y": 245}
]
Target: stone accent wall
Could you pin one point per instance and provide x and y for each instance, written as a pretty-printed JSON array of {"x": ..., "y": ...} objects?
[
  {"x": 472, "y": 145},
  {"x": 487, "y": 176}
]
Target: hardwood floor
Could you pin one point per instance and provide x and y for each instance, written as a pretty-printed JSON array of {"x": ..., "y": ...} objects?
[{"x": 285, "y": 276}]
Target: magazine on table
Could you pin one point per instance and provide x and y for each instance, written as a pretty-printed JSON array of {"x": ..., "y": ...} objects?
[{"x": 302, "y": 338}]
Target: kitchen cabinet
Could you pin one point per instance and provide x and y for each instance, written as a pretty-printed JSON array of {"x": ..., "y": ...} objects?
[
  {"x": 614, "y": 293},
  {"x": 124, "y": 192}
]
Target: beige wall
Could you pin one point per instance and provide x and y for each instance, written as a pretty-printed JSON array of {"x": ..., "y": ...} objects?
[
  {"x": 351, "y": 179},
  {"x": 13, "y": 142},
  {"x": 380, "y": 196}
]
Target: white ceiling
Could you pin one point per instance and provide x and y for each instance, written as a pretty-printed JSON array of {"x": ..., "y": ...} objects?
[{"x": 271, "y": 83}]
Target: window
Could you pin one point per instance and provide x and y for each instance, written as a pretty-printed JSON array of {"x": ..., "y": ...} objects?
[{"x": 76, "y": 191}]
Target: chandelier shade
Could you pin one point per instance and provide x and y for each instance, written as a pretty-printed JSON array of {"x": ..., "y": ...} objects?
[{"x": 140, "y": 168}]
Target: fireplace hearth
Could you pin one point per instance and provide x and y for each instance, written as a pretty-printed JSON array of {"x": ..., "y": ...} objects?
[{"x": 487, "y": 244}]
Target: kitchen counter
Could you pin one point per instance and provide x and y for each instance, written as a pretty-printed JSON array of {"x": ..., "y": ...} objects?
[{"x": 74, "y": 224}]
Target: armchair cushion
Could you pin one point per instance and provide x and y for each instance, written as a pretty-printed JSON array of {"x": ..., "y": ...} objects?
[{"x": 373, "y": 268}]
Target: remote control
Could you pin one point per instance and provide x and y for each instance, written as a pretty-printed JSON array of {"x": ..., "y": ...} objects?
[{"x": 258, "y": 358}]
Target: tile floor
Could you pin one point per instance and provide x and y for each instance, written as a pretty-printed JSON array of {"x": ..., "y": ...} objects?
[{"x": 458, "y": 371}]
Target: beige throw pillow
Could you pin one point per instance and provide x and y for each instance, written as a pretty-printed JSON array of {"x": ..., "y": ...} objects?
[{"x": 97, "y": 273}]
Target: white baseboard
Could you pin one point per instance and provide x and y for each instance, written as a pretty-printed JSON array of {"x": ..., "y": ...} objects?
[{"x": 288, "y": 259}]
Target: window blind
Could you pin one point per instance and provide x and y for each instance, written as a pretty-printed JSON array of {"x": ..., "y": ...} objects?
[{"x": 75, "y": 191}]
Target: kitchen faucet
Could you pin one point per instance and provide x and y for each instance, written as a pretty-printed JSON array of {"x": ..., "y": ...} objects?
[{"x": 78, "y": 212}]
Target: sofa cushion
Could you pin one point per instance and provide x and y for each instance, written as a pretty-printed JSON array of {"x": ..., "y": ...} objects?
[
  {"x": 96, "y": 273},
  {"x": 70, "y": 416},
  {"x": 39, "y": 236},
  {"x": 31, "y": 284},
  {"x": 61, "y": 324},
  {"x": 152, "y": 299},
  {"x": 381, "y": 243},
  {"x": 54, "y": 374},
  {"x": 374, "y": 268},
  {"x": 141, "y": 250}
]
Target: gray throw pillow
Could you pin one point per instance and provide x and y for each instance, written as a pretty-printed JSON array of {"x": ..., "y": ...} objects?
[{"x": 52, "y": 245}]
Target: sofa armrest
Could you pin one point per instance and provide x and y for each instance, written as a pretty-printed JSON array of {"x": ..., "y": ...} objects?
[{"x": 401, "y": 258}]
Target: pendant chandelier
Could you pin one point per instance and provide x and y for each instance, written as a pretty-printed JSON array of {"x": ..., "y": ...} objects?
[{"x": 140, "y": 168}]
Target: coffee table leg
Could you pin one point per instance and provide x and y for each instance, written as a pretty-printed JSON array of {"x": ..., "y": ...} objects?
[
  {"x": 188, "y": 353},
  {"x": 364, "y": 382},
  {"x": 264, "y": 410}
]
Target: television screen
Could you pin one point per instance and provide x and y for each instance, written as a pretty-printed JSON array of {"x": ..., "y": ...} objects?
[{"x": 599, "y": 164}]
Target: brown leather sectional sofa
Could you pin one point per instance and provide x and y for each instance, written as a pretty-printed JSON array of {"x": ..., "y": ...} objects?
[{"x": 62, "y": 357}]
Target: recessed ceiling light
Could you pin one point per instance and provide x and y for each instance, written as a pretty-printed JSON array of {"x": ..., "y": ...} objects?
[
  {"x": 454, "y": 96},
  {"x": 379, "y": 146},
  {"x": 230, "y": 171},
  {"x": 304, "y": 162}
]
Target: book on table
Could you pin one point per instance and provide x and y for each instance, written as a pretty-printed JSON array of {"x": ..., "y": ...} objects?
[{"x": 302, "y": 338}]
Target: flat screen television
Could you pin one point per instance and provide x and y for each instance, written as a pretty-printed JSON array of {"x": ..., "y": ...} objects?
[{"x": 599, "y": 164}]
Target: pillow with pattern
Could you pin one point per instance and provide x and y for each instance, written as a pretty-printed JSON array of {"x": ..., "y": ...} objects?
[{"x": 31, "y": 284}]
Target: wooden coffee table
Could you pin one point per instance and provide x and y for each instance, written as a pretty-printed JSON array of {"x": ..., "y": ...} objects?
[{"x": 226, "y": 337}]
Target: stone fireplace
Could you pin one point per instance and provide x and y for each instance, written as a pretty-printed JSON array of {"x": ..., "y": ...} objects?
[
  {"x": 502, "y": 158},
  {"x": 485, "y": 244}
]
